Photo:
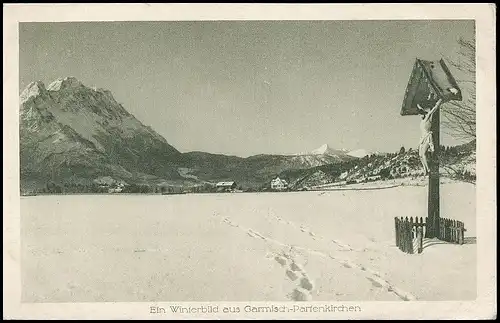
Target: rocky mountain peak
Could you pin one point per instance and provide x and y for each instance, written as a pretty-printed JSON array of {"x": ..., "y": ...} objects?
[
  {"x": 69, "y": 82},
  {"x": 70, "y": 128},
  {"x": 325, "y": 149},
  {"x": 33, "y": 90},
  {"x": 321, "y": 150}
]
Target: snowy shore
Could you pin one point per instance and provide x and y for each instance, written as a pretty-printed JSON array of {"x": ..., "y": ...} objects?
[{"x": 382, "y": 184}]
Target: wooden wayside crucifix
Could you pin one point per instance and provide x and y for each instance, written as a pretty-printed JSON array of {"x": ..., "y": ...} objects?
[{"x": 430, "y": 85}]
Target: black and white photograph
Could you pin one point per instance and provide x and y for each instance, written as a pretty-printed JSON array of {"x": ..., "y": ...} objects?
[{"x": 292, "y": 162}]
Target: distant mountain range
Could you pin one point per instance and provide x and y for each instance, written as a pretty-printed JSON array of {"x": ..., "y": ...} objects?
[
  {"x": 322, "y": 155},
  {"x": 72, "y": 133},
  {"x": 457, "y": 162},
  {"x": 326, "y": 150}
]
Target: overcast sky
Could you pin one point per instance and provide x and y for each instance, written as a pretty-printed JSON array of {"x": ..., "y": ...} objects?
[{"x": 245, "y": 88}]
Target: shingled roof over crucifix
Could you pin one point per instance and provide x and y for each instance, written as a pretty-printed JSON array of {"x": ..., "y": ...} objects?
[{"x": 429, "y": 81}]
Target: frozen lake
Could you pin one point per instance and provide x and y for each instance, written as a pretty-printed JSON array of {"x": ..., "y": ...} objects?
[{"x": 241, "y": 247}]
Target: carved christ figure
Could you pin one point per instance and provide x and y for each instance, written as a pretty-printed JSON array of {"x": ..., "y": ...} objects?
[{"x": 426, "y": 145}]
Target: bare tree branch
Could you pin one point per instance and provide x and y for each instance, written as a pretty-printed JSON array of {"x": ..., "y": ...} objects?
[
  {"x": 457, "y": 174},
  {"x": 459, "y": 117}
]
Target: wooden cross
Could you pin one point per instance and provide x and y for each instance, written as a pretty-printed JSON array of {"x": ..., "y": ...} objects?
[
  {"x": 433, "y": 194},
  {"x": 429, "y": 82}
]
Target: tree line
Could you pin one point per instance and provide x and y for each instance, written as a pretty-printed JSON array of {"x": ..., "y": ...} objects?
[{"x": 93, "y": 188}]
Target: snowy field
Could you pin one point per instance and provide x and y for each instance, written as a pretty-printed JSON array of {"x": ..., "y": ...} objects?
[{"x": 320, "y": 246}]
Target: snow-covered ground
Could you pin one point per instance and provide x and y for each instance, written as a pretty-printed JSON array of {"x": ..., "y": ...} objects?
[
  {"x": 320, "y": 246},
  {"x": 382, "y": 184}
]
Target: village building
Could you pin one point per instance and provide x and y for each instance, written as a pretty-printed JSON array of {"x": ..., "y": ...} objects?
[
  {"x": 118, "y": 188},
  {"x": 225, "y": 186},
  {"x": 279, "y": 184}
]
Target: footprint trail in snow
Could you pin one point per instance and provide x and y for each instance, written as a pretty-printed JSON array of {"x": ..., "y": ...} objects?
[{"x": 295, "y": 272}]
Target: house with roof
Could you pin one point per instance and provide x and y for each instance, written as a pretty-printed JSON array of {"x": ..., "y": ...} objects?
[
  {"x": 225, "y": 186},
  {"x": 279, "y": 184},
  {"x": 117, "y": 188}
]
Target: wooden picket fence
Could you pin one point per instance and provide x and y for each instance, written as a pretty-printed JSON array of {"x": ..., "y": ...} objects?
[
  {"x": 410, "y": 233},
  {"x": 451, "y": 231}
]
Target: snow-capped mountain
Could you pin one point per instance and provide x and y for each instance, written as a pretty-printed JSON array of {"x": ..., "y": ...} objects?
[
  {"x": 326, "y": 150},
  {"x": 359, "y": 153},
  {"x": 70, "y": 130},
  {"x": 321, "y": 156},
  {"x": 72, "y": 133}
]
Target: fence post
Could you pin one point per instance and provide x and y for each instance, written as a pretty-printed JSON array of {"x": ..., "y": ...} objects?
[
  {"x": 403, "y": 231},
  {"x": 461, "y": 234},
  {"x": 450, "y": 230},
  {"x": 397, "y": 231},
  {"x": 411, "y": 228},
  {"x": 419, "y": 239},
  {"x": 403, "y": 235},
  {"x": 441, "y": 229},
  {"x": 445, "y": 230},
  {"x": 409, "y": 234},
  {"x": 455, "y": 231},
  {"x": 413, "y": 234}
]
